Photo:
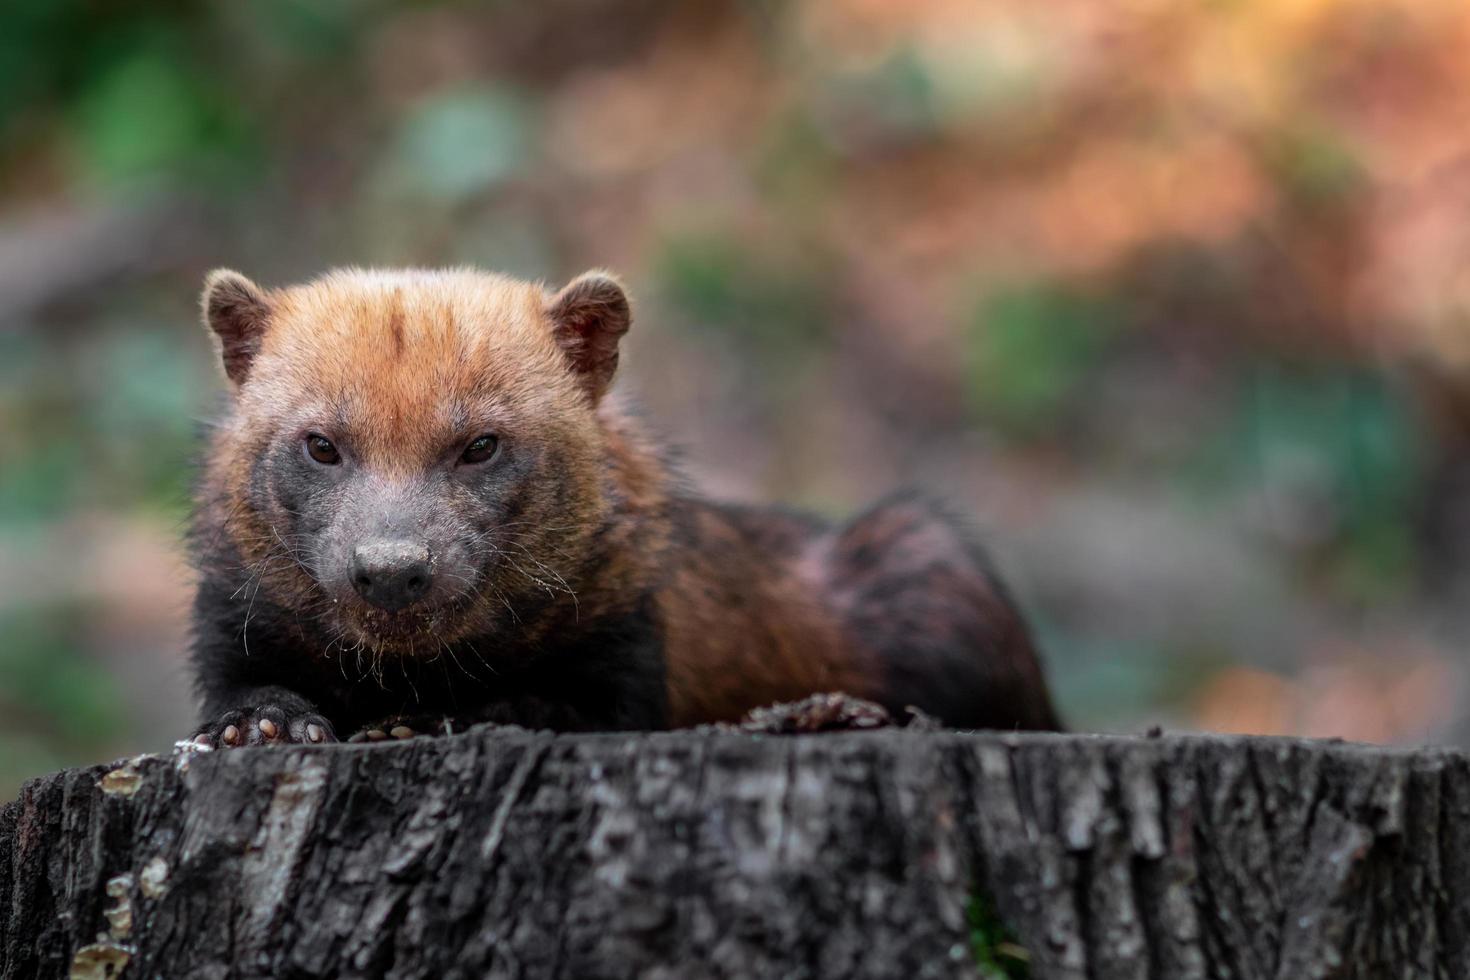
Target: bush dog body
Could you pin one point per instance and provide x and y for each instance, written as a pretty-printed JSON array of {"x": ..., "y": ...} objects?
[{"x": 422, "y": 512}]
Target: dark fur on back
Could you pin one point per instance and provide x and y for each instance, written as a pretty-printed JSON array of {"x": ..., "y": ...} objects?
[{"x": 950, "y": 637}]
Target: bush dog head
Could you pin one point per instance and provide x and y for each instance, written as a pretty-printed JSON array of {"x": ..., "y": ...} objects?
[{"x": 406, "y": 449}]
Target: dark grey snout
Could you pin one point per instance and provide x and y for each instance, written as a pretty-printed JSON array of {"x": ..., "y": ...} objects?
[{"x": 391, "y": 575}]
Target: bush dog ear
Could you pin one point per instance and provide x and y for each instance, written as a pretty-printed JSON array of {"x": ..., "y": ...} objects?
[
  {"x": 588, "y": 317},
  {"x": 237, "y": 310}
]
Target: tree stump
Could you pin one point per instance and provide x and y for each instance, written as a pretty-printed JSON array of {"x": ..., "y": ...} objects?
[{"x": 888, "y": 853}]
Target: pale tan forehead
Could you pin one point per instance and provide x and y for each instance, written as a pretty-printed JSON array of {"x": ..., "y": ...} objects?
[{"x": 407, "y": 358}]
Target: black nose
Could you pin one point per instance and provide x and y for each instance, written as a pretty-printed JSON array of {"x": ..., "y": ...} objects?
[{"x": 391, "y": 574}]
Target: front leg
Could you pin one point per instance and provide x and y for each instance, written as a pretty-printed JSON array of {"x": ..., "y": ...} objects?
[
  {"x": 263, "y": 716},
  {"x": 612, "y": 680}
]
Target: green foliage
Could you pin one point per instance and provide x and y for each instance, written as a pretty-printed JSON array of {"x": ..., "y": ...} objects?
[
  {"x": 51, "y": 49},
  {"x": 42, "y": 467},
  {"x": 996, "y": 953},
  {"x": 40, "y": 484},
  {"x": 1345, "y": 444},
  {"x": 1100, "y": 677},
  {"x": 144, "y": 414},
  {"x": 510, "y": 241},
  {"x": 774, "y": 308},
  {"x": 891, "y": 102},
  {"x": 23, "y": 756},
  {"x": 164, "y": 91},
  {"x": 110, "y": 422},
  {"x": 148, "y": 113},
  {"x": 796, "y": 164},
  {"x": 1314, "y": 165},
  {"x": 311, "y": 28},
  {"x": 1028, "y": 351},
  {"x": 58, "y": 707},
  {"x": 44, "y": 677},
  {"x": 137, "y": 93},
  {"x": 460, "y": 143}
]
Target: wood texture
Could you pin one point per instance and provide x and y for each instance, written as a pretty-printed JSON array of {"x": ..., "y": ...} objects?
[{"x": 686, "y": 855}]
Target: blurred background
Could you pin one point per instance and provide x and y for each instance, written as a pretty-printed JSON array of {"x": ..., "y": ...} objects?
[{"x": 1173, "y": 298}]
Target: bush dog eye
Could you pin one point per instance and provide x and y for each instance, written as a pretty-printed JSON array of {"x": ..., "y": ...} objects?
[
  {"x": 480, "y": 451},
  {"x": 320, "y": 448}
]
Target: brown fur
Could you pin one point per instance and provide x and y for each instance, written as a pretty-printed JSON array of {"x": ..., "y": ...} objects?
[{"x": 751, "y": 607}]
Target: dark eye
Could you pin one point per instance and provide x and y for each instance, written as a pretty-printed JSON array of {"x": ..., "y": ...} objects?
[
  {"x": 480, "y": 450},
  {"x": 320, "y": 448}
]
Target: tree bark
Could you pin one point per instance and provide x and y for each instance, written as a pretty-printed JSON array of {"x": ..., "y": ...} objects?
[{"x": 504, "y": 853}]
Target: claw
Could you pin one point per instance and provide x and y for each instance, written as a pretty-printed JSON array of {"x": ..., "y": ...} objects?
[
  {"x": 401, "y": 731},
  {"x": 230, "y": 736},
  {"x": 314, "y": 733},
  {"x": 376, "y": 735},
  {"x": 268, "y": 728}
]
